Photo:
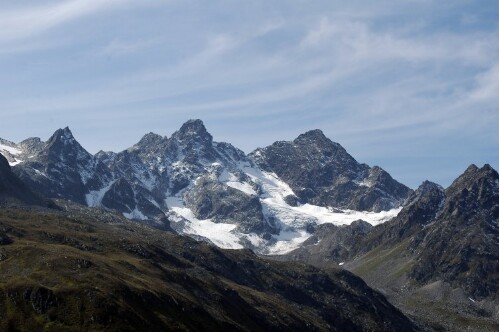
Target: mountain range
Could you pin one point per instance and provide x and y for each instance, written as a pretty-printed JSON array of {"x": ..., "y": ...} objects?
[
  {"x": 268, "y": 201},
  {"x": 67, "y": 267},
  {"x": 432, "y": 251}
]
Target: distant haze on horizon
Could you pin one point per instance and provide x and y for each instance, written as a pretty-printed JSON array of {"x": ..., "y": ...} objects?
[{"x": 410, "y": 86}]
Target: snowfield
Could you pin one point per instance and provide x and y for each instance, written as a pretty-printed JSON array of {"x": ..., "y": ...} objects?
[
  {"x": 94, "y": 198},
  {"x": 13, "y": 152},
  {"x": 292, "y": 220},
  {"x": 9, "y": 149}
]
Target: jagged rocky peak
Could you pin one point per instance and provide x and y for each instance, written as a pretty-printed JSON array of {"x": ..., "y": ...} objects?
[
  {"x": 8, "y": 150},
  {"x": 31, "y": 141},
  {"x": 428, "y": 185},
  {"x": 377, "y": 172},
  {"x": 150, "y": 149},
  {"x": 62, "y": 142},
  {"x": 228, "y": 151},
  {"x": 471, "y": 169},
  {"x": 120, "y": 196},
  {"x": 426, "y": 191},
  {"x": 62, "y": 135},
  {"x": 476, "y": 188},
  {"x": 321, "y": 172},
  {"x": 193, "y": 130},
  {"x": 150, "y": 139},
  {"x": 316, "y": 138},
  {"x": 31, "y": 145},
  {"x": 106, "y": 157},
  {"x": 376, "y": 175},
  {"x": 194, "y": 146},
  {"x": 312, "y": 135},
  {"x": 7, "y": 143},
  {"x": 63, "y": 169},
  {"x": 473, "y": 174},
  {"x": 61, "y": 146},
  {"x": 18, "y": 153},
  {"x": 314, "y": 151},
  {"x": 421, "y": 207}
]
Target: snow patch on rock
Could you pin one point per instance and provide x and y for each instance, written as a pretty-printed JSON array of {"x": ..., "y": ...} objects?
[
  {"x": 10, "y": 149},
  {"x": 219, "y": 233},
  {"x": 135, "y": 214},
  {"x": 94, "y": 198}
]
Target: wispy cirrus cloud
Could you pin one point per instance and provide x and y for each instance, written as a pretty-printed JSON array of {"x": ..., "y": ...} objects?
[
  {"x": 27, "y": 21},
  {"x": 487, "y": 86},
  {"x": 356, "y": 39},
  {"x": 412, "y": 78}
]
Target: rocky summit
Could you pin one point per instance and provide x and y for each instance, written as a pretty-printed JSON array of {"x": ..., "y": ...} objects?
[
  {"x": 62, "y": 168},
  {"x": 321, "y": 172}
]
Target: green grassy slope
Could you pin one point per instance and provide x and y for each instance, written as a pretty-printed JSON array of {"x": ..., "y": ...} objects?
[{"x": 71, "y": 271}]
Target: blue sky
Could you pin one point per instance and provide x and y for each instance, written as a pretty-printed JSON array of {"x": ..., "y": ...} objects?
[{"x": 412, "y": 86}]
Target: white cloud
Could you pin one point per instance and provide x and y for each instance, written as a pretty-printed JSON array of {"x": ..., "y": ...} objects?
[
  {"x": 487, "y": 86},
  {"x": 356, "y": 39},
  {"x": 29, "y": 21},
  {"x": 122, "y": 47},
  {"x": 380, "y": 70}
]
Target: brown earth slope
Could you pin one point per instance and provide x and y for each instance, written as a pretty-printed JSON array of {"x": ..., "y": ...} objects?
[{"x": 67, "y": 271}]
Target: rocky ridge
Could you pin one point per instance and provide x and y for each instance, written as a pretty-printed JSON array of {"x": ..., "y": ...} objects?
[{"x": 190, "y": 182}]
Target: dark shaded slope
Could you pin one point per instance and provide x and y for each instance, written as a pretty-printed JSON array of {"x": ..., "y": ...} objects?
[
  {"x": 78, "y": 273},
  {"x": 13, "y": 190},
  {"x": 462, "y": 244},
  {"x": 335, "y": 244},
  {"x": 438, "y": 257},
  {"x": 62, "y": 168}
]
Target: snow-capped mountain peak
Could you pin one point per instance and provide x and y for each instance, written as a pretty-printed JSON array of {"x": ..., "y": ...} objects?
[{"x": 262, "y": 201}]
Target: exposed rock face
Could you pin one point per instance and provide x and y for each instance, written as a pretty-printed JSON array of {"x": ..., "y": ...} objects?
[
  {"x": 63, "y": 169},
  {"x": 321, "y": 172},
  {"x": 210, "y": 199},
  {"x": 332, "y": 244},
  {"x": 339, "y": 244},
  {"x": 120, "y": 196},
  {"x": 135, "y": 181},
  {"x": 13, "y": 190},
  {"x": 419, "y": 211},
  {"x": 462, "y": 244},
  {"x": 31, "y": 146},
  {"x": 158, "y": 167}
]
